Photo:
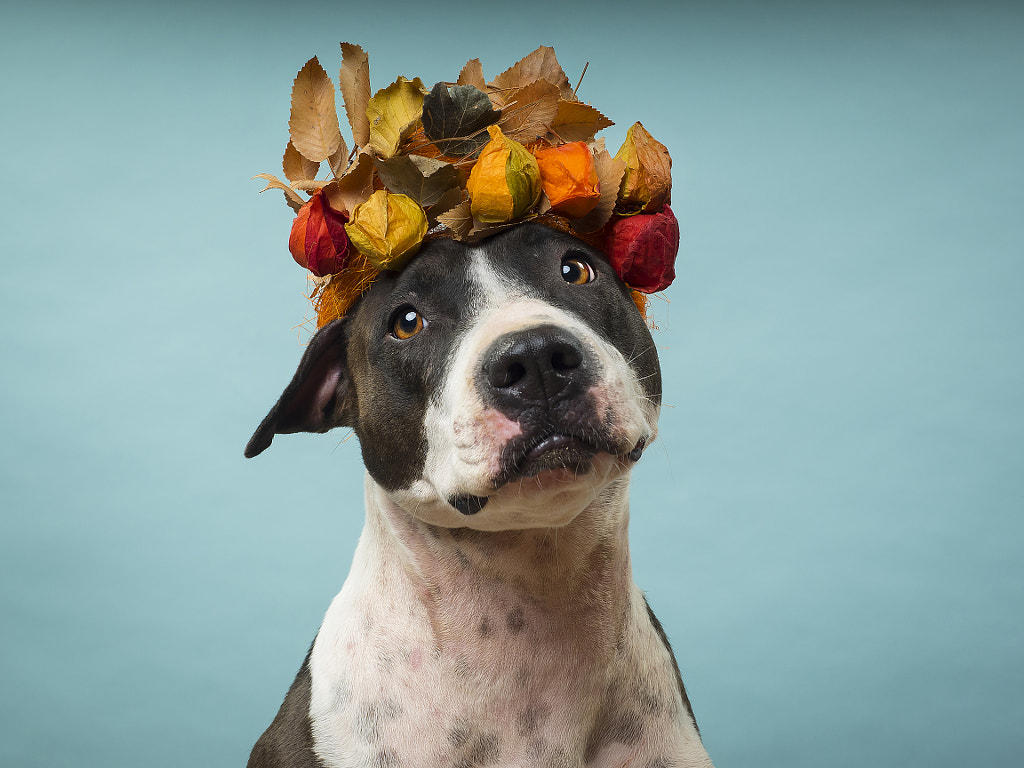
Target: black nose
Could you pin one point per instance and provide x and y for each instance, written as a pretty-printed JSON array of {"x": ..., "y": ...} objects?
[{"x": 539, "y": 365}]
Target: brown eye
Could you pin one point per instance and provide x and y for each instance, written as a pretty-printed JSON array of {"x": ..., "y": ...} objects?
[
  {"x": 576, "y": 271},
  {"x": 408, "y": 322}
]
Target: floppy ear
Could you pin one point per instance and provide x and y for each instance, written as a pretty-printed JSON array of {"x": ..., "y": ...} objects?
[{"x": 319, "y": 395}]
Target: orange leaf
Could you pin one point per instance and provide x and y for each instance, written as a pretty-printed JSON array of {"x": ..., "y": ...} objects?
[
  {"x": 609, "y": 173},
  {"x": 576, "y": 121},
  {"x": 539, "y": 65},
  {"x": 473, "y": 74}
]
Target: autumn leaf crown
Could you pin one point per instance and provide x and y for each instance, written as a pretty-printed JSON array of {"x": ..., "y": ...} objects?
[{"x": 463, "y": 160}]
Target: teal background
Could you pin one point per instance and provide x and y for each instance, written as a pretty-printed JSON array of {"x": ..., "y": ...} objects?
[{"x": 830, "y": 526}]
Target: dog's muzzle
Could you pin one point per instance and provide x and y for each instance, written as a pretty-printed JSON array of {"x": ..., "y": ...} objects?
[{"x": 535, "y": 368}]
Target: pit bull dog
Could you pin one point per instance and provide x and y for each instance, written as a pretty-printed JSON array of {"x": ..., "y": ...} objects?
[{"x": 501, "y": 393}]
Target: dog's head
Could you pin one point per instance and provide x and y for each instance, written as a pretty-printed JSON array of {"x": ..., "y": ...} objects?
[{"x": 493, "y": 386}]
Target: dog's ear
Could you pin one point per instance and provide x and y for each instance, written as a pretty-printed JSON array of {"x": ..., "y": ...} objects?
[{"x": 319, "y": 395}]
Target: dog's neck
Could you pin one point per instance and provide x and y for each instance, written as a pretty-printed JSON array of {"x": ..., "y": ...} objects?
[{"x": 575, "y": 580}]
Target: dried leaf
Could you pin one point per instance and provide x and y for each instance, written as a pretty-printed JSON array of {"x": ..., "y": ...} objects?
[
  {"x": 528, "y": 112},
  {"x": 539, "y": 65},
  {"x": 449, "y": 200},
  {"x": 609, "y": 174},
  {"x": 354, "y": 187},
  {"x": 314, "y": 122},
  {"x": 296, "y": 167},
  {"x": 339, "y": 161},
  {"x": 473, "y": 74},
  {"x": 455, "y": 118},
  {"x": 309, "y": 185},
  {"x": 576, "y": 121},
  {"x": 293, "y": 198},
  {"x": 459, "y": 220},
  {"x": 354, "y": 79},
  {"x": 423, "y": 179},
  {"x": 394, "y": 112}
]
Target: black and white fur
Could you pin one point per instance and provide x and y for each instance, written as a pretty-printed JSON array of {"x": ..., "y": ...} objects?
[{"x": 490, "y": 616}]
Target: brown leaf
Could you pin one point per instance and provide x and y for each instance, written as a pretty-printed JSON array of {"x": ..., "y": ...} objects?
[
  {"x": 354, "y": 187},
  {"x": 354, "y": 79},
  {"x": 609, "y": 175},
  {"x": 539, "y": 65},
  {"x": 314, "y": 122},
  {"x": 309, "y": 185},
  {"x": 576, "y": 121},
  {"x": 473, "y": 74},
  {"x": 339, "y": 160},
  {"x": 296, "y": 167},
  {"x": 527, "y": 113},
  {"x": 459, "y": 219},
  {"x": 293, "y": 198},
  {"x": 449, "y": 200}
]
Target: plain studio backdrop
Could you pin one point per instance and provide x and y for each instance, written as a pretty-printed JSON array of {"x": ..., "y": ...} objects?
[{"x": 830, "y": 525}]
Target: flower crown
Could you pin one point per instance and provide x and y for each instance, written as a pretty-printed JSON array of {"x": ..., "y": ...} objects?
[{"x": 464, "y": 160}]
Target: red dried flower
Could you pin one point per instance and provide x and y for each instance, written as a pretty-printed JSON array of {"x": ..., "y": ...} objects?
[
  {"x": 318, "y": 240},
  {"x": 642, "y": 249}
]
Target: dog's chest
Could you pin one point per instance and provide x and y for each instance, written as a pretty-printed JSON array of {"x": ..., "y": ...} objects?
[{"x": 510, "y": 684}]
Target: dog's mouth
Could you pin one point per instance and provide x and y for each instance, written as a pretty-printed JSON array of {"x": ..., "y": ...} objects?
[{"x": 550, "y": 451}]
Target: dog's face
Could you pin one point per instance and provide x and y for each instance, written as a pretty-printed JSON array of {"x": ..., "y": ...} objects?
[{"x": 493, "y": 386}]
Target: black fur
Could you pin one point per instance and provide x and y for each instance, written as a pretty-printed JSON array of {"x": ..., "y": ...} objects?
[{"x": 288, "y": 742}]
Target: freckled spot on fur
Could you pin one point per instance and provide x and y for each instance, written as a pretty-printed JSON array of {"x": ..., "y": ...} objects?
[
  {"x": 614, "y": 723},
  {"x": 485, "y": 627},
  {"x": 660, "y": 762},
  {"x": 459, "y": 735},
  {"x": 373, "y": 716},
  {"x": 562, "y": 758},
  {"x": 485, "y": 749},
  {"x": 530, "y": 718},
  {"x": 386, "y": 758},
  {"x": 462, "y": 667},
  {"x": 516, "y": 621},
  {"x": 522, "y": 676}
]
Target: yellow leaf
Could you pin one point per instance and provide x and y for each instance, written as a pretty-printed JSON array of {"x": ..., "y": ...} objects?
[
  {"x": 354, "y": 187},
  {"x": 539, "y": 65},
  {"x": 576, "y": 121},
  {"x": 314, "y": 122},
  {"x": 354, "y": 79},
  {"x": 528, "y": 112},
  {"x": 296, "y": 167},
  {"x": 473, "y": 74},
  {"x": 394, "y": 112},
  {"x": 293, "y": 198}
]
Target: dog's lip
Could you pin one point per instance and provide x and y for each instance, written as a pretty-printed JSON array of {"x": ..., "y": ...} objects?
[{"x": 586, "y": 447}]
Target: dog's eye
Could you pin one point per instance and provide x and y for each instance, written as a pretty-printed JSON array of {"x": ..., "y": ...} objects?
[
  {"x": 576, "y": 271},
  {"x": 407, "y": 323}
]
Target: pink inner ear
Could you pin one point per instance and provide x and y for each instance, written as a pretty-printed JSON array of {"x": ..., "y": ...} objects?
[{"x": 327, "y": 388}]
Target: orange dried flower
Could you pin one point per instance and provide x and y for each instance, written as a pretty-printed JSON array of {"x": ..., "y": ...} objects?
[{"x": 569, "y": 178}]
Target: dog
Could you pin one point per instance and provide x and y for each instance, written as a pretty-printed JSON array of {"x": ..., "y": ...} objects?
[{"x": 501, "y": 393}]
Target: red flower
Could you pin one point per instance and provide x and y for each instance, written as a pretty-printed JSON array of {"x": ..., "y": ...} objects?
[
  {"x": 318, "y": 240},
  {"x": 642, "y": 249}
]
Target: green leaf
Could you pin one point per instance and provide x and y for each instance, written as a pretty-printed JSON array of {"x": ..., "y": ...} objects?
[
  {"x": 455, "y": 118},
  {"x": 424, "y": 179}
]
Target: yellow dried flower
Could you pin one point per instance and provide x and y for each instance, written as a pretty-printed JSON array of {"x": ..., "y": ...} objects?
[
  {"x": 648, "y": 178},
  {"x": 388, "y": 229},
  {"x": 505, "y": 182}
]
